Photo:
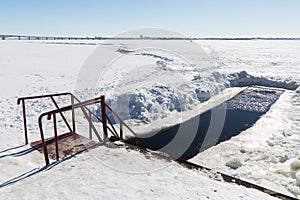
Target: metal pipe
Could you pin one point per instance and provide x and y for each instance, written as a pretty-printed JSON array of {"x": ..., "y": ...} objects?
[
  {"x": 136, "y": 140},
  {"x": 114, "y": 132},
  {"x": 62, "y": 116},
  {"x": 121, "y": 121},
  {"x": 73, "y": 114},
  {"x": 44, "y": 147},
  {"x": 90, "y": 125},
  {"x": 103, "y": 116},
  {"x": 55, "y": 137},
  {"x": 25, "y": 122},
  {"x": 121, "y": 130},
  {"x": 43, "y": 96}
]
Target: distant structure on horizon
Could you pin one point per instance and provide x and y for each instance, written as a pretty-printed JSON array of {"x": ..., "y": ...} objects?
[{"x": 142, "y": 37}]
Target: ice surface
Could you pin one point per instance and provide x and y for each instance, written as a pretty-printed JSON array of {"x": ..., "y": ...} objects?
[
  {"x": 264, "y": 151},
  {"x": 254, "y": 100}
]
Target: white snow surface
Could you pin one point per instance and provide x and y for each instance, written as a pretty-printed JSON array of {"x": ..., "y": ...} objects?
[{"x": 268, "y": 152}]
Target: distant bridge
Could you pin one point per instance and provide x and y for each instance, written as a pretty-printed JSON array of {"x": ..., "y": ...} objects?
[{"x": 32, "y": 37}]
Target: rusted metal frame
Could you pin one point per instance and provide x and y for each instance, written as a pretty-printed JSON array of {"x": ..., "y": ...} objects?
[
  {"x": 104, "y": 122},
  {"x": 85, "y": 103},
  {"x": 110, "y": 130},
  {"x": 62, "y": 116},
  {"x": 24, "y": 108},
  {"x": 91, "y": 123},
  {"x": 74, "y": 97},
  {"x": 90, "y": 126},
  {"x": 94, "y": 115},
  {"x": 44, "y": 147},
  {"x": 122, "y": 122},
  {"x": 115, "y": 133},
  {"x": 73, "y": 113},
  {"x": 78, "y": 105},
  {"x": 121, "y": 131},
  {"x": 81, "y": 105},
  {"x": 136, "y": 140},
  {"x": 105, "y": 127},
  {"x": 42, "y": 96},
  {"x": 55, "y": 137},
  {"x": 48, "y": 114},
  {"x": 25, "y": 121}
]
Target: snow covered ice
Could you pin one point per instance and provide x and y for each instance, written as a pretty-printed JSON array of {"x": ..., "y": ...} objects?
[{"x": 266, "y": 154}]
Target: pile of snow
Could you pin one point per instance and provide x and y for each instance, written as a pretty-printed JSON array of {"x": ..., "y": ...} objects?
[
  {"x": 242, "y": 78},
  {"x": 164, "y": 83}
]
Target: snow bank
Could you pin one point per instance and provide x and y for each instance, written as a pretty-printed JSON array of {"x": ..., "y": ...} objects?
[
  {"x": 170, "y": 84},
  {"x": 156, "y": 102},
  {"x": 242, "y": 78}
]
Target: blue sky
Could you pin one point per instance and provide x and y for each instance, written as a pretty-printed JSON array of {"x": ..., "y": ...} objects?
[{"x": 191, "y": 17}]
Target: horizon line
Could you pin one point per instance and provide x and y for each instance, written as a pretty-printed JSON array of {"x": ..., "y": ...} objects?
[{"x": 43, "y": 37}]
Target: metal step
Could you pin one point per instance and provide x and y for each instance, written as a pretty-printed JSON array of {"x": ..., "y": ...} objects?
[{"x": 69, "y": 144}]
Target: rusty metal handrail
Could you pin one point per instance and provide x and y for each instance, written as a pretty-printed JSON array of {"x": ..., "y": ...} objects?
[
  {"x": 86, "y": 111},
  {"x": 112, "y": 129},
  {"x": 73, "y": 97},
  {"x": 102, "y": 98},
  {"x": 22, "y": 99},
  {"x": 42, "y": 96},
  {"x": 121, "y": 126},
  {"x": 53, "y": 113}
]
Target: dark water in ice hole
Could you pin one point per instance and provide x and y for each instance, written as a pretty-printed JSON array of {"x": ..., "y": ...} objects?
[{"x": 242, "y": 111}]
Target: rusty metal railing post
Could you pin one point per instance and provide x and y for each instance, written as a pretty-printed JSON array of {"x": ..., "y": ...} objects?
[
  {"x": 43, "y": 140},
  {"x": 25, "y": 122},
  {"x": 136, "y": 140},
  {"x": 90, "y": 125},
  {"x": 121, "y": 130},
  {"x": 62, "y": 116},
  {"x": 22, "y": 100},
  {"x": 73, "y": 114},
  {"x": 104, "y": 116},
  {"x": 126, "y": 126},
  {"x": 55, "y": 136}
]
